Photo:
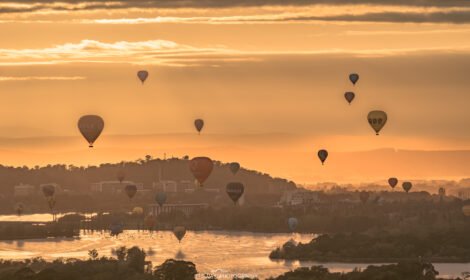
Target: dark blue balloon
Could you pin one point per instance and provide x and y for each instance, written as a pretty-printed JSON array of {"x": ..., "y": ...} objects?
[{"x": 354, "y": 78}]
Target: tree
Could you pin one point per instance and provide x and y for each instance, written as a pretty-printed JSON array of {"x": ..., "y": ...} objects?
[
  {"x": 175, "y": 270},
  {"x": 121, "y": 253},
  {"x": 136, "y": 259}
]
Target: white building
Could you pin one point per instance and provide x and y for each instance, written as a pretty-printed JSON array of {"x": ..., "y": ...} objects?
[
  {"x": 463, "y": 193},
  {"x": 172, "y": 186},
  {"x": 187, "y": 209},
  {"x": 24, "y": 190},
  {"x": 114, "y": 187},
  {"x": 298, "y": 197},
  {"x": 166, "y": 186}
]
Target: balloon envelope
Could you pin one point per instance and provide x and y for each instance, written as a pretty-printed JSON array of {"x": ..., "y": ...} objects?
[
  {"x": 201, "y": 167},
  {"x": 160, "y": 198},
  {"x": 142, "y": 75},
  {"x": 392, "y": 182},
  {"x": 179, "y": 232},
  {"x": 150, "y": 222},
  {"x": 199, "y": 124},
  {"x": 407, "y": 186},
  {"x": 138, "y": 211},
  {"x": 442, "y": 191},
  {"x": 130, "y": 190},
  {"x": 349, "y": 96},
  {"x": 322, "y": 155},
  {"x": 377, "y": 120},
  {"x": 90, "y": 127},
  {"x": 354, "y": 77},
  {"x": 48, "y": 190},
  {"x": 293, "y": 223},
  {"x": 234, "y": 167},
  {"x": 121, "y": 175},
  {"x": 116, "y": 228},
  {"x": 235, "y": 190}
]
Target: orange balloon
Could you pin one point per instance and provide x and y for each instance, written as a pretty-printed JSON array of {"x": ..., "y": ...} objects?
[{"x": 201, "y": 167}]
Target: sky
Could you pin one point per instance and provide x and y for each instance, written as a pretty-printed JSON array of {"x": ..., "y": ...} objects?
[{"x": 267, "y": 76}]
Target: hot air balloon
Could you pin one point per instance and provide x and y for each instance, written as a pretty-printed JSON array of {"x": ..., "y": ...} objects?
[
  {"x": 142, "y": 75},
  {"x": 179, "y": 232},
  {"x": 150, "y": 222},
  {"x": 349, "y": 96},
  {"x": 377, "y": 120},
  {"x": 121, "y": 175},
  {"x": 138, "y": 211},
  {"x": 407, "y": 186},
  {"x": 322, "y": 155},
  {"x": 466, "y": 210},
  {"x": 48, "y": 190},
  {"x": 160, "y": 198},
  {"x": 19, "y": 209},
  {"x": 130, "y": 190},
  {"x": 201, "y": 167},
  {"x": 234, "y": 167},
  {"x": 199, "y": 124},
  {"x": 235, "y": 190},
  {"x": 353, "y": 77},
  {"x": 392, "y": 182},
  {"x": 442, "y": 191},
  {"x": 364, "y": 196},
  {"x": 90, "y": 127},
  {"x": 116, "y": 228},
  {"x": 293, "y": 223}
]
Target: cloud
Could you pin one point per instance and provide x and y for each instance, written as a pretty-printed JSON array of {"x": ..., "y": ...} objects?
[
  {"x": 77, "y": 5},
  {"x": 452, "y": 16},
  {"x": 153, "y": 51},
  {"x": 174, "y": 54},
  {"x": 43, "y": 78},
  {"x": 237, "y": 11},
  {"x": 457, "y": 17}
]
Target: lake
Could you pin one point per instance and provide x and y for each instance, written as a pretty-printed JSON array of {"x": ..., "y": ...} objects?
[{"x": 218, "y": 252}]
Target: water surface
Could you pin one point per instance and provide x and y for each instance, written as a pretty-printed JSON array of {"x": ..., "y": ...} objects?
[{"x": 219, "y": 252}]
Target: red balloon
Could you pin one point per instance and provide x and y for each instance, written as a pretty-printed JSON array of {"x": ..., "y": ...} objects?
[
  {"x": 201, "y": 167},
  {"x": 392, "y": 182}
]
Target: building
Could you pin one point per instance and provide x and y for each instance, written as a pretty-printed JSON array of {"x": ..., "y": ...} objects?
[
  {"x": 185, "y": 185},
  {"x": 463, "y": 193},
  {"x": 24, "y": 190},
  {"x": 298, "y": 197},
  {"x": 187, "y": 209},
  {"x": 114, "y": 187},
  {"x": 171, "y": 186}
]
